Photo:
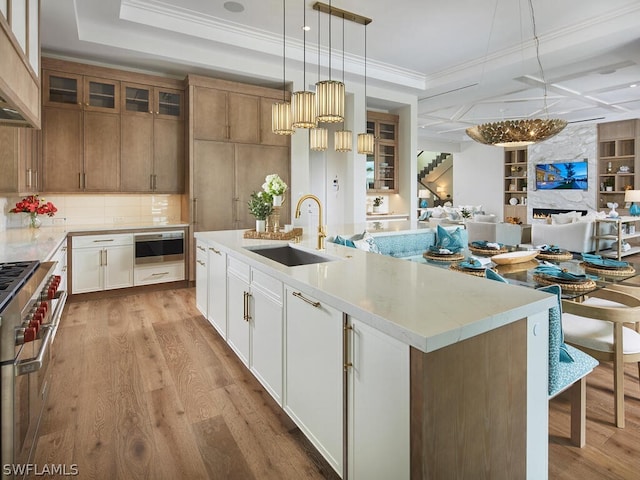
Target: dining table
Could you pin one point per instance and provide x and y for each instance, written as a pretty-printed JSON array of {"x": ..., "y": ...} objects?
[{"x": 577, "y": 276}]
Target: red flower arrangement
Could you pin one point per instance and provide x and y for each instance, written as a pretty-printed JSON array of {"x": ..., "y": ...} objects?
[{"x": 34, "y": 206}]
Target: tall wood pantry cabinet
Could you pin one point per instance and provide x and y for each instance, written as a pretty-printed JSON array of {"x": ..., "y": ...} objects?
[
  {"x": 19, "y": 160},
  {"x": 231, "y": 151}
]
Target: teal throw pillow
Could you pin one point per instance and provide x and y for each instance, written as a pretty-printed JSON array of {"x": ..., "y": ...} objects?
[{"x": 450, "y": 240}]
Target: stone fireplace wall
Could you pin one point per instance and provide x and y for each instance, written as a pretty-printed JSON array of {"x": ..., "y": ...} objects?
[{"x": 575, "y": 142}]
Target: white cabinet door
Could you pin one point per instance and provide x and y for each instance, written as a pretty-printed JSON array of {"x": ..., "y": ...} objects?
[
  {"x": 378, "y": 404},
  {"x": 118, "y": 267},
  {"x": 237, "y": 316},
  {"x": 314, "y": 373},
  {"x": 201, "y": 278},
  {"x": 266, "y": 341},
  {"x": 87, "y": 273},
  {"x": 217, "y": 294}
]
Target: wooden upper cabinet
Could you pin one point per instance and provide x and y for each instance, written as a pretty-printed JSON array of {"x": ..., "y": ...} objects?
[
  {"x": 62, "y": 149},
  {"x": 243, "y": 118},
  {"x": 209, "y": 114},
  {"x": 101, "y": 152},
  {"x": 152, "y": 139},
  {"x": 75, "y": 91},
  {"x": 226, "y": 116},
  {"x": 9, "y": 151}
]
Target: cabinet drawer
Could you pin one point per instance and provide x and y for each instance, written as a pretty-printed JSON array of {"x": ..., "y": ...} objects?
[
  {"x": 267, "y": 284},
  {"x": 201, "y": 251},
  {"x": 150, "y": 274},
  {"x": 101, "y": 240},
  {"x": 240, "y": 269}
]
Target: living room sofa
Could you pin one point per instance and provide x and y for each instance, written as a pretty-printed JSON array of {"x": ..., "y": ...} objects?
[
  {"x": 494, "y": 231},
  {"x": 570, "y": 231}
]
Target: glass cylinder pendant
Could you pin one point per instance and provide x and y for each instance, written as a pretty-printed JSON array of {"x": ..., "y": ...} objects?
[
  {"x": 303, "y": 109},
  {"x": 330, "y": 101},
  {"x": 281, "y": 119},
  {"x": 365, "y": 143},
  {"x": 318, "y": 139},
  {"x": 343, "y": 140}
]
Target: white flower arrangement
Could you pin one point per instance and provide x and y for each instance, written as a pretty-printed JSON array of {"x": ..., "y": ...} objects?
[{"x": 274, "y": 185}]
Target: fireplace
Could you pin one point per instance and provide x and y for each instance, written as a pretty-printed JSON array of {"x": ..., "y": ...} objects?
[{"x": 545, "y": 213}]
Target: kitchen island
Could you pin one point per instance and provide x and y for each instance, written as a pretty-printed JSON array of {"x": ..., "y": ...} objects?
[{"x": 389, "y": 367}]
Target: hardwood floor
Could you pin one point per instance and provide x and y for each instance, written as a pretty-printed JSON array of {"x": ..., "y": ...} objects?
[{"x": 144, "y": 387}]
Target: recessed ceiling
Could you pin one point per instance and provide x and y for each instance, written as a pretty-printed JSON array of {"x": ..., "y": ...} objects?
[{"x": 467, "y": 61}]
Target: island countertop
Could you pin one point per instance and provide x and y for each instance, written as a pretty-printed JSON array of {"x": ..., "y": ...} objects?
[{"x": 423, "y": 306}]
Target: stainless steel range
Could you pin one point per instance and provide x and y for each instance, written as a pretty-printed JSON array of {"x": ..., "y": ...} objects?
[{"x": 30, "y": 310}]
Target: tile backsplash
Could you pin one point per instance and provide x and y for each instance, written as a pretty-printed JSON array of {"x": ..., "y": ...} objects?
[{"x": 87, "y": 209}]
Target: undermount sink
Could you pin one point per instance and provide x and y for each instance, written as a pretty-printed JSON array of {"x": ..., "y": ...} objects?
[{"x": 290, "y": 256}]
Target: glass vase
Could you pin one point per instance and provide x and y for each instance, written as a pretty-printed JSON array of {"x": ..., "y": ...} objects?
[{"x": 33, "y": 221}]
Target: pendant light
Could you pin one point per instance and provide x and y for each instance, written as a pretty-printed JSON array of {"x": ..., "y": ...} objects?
[
  {"x": 520, "y": 133},
  {"x": 365, "y": 140},
  {"x": 343, "y": 139},
  {"x": 281, "y": 121},
  {"x": 303, "y": 103},
  {"x": 318, "y": 136},
  {"x": 330, "y": 93}
]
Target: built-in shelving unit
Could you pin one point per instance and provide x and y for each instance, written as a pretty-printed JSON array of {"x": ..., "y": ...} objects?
[
  {"x": 618, "y": 162},
  {"x": 515, "y": 183},
  {"x": 382, "y": 165}
]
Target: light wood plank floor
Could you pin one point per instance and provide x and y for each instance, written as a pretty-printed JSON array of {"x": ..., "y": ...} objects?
[{"x": 145, "y": 388}]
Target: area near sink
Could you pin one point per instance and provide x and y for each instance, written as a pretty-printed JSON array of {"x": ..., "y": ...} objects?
[{"x": 290, "y": 255}]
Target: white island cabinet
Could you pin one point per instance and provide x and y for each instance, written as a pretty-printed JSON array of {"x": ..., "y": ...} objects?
[
  {"x": 217, "y": 290},
  {"x": 101, "y": 262},
  {"x": 392, "y": 379},
  {"x": 202, "y": 284},
  {"x": 314, "y": 371}
]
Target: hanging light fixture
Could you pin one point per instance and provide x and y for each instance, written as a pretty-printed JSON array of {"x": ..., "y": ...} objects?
[
  {"x": 303, "y": 103},
  {"x": 343, "y": 139},
  {"x": 281, "y": 121},
  {"x": 330, "y": 93},
  {"x": 365, "y": 140},
  {"x": 318, "y": 136},
  {"x": 520, "y": 133}
]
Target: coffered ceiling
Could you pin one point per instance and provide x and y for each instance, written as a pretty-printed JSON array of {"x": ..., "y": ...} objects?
[{"x": 467, "y": 61}]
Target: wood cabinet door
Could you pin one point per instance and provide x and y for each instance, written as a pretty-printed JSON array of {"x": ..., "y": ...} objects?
[
  {"x": 209, "y": 114},
  {"x": 101, "y": 95},
  {"x": 267, "y": 137},
  {"x": 168, "y": 155},
  {"x": 136, "y": 166},
  {"x": 62, "y": 90},
  {"x": 136, "y": 99},
  {"x": 253, "y": 164},
  {"x": 213, "y": 186},
  {"x": 62, "y": 152},
  {"x": 9, "y": 151},
  {"x": 243, "y": 118},
  {"x": 101, "y": 152},
  {"x": 169, "y": 103}
]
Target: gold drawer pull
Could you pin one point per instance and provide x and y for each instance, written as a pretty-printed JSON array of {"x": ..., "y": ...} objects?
[{"x": 303, "y": 298}]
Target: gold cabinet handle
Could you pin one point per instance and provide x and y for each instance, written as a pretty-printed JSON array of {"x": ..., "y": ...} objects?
[
  {"x": 201, "y": 263},
  {"x": 200, "y": 248},
  {"x": 305, "y": 299},
  {"x": 248, "y": 300},
  {"x": 150, "y": 182},
  {"x": 345, "y": 347},
  {"x": 217, "y": 252}
]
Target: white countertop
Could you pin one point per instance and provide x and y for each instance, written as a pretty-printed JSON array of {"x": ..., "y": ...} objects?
[
  {"x": 421, "y": 305},
  {"x": 23, "y": 244}
]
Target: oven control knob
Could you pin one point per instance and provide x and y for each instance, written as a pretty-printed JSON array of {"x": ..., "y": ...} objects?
[
  {"x": 37, "y": 318},
  {"x": 29, "y": 334},
  {"x": 51, "y": 293},
  {"x": 35, "y": 325},
  {"x": 44, "y": 306}
]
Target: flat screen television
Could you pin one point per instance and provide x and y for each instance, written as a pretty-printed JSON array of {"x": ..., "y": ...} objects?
[{"x": 562, "y": 176}]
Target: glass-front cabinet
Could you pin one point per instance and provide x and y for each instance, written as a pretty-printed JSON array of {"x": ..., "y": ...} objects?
[
  {"x": 382, "y": 166},
  {"x": 144, "y": 100},
  {"x": 69, "y": 90}
]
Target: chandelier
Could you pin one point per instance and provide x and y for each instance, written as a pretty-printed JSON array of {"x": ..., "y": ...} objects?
[
  {"x": 516, "y": 133},
  {"x": 520, "y": 133},
  {"x": 303, "y": 103}
]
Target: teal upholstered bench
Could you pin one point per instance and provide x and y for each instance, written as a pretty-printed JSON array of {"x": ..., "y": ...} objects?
[{"x": 409, "y": 243}]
